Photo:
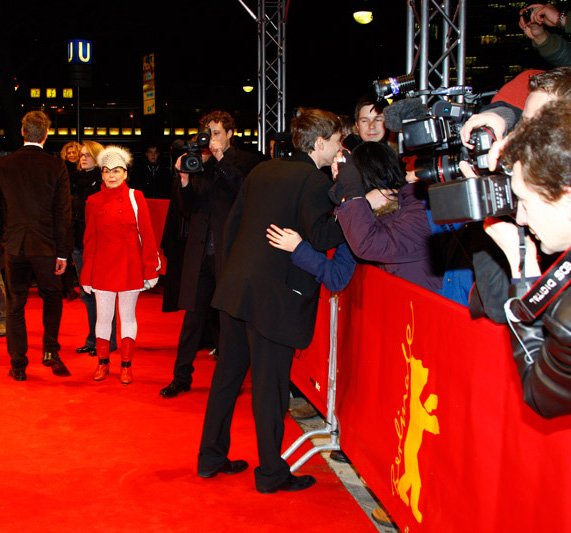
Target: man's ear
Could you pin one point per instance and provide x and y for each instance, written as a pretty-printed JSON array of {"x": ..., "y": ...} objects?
[
  {"x": 318, "y": 143},
  {"x": 229, "y": 133}
]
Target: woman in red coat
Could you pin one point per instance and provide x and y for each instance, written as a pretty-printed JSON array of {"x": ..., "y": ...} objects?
[{"x": 120, "y": 257}]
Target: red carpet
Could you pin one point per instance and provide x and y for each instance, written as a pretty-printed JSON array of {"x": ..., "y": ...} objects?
[{"x": 76, "y": 455}]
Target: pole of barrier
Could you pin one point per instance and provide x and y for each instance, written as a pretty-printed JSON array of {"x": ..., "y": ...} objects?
[{"x": 331, "y": 428}]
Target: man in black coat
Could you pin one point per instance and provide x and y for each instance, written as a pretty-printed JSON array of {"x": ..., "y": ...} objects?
[
  {"x": 36, "y": 208},
  {"x": 151, "y": 174},
  {"x": 268, "y": 306},
  {"x": 203, "y": 199}
]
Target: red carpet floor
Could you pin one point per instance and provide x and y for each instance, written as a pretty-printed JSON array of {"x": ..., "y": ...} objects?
[{"x": 81, "y": 456}]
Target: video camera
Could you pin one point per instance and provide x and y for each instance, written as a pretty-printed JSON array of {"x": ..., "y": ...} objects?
[
  {"x": 434, "y": 137},
  {"x": 283, "y": 146},
  {"x": 192, "y": 160}
]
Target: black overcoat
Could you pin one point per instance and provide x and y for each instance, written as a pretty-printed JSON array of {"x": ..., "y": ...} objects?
[
  {"x": 259, "y": 283},
  {"x": 203, "y": 204}
]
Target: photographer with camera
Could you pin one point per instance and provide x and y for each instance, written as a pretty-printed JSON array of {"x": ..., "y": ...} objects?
[
  {"x": 203, "y": 196},
  {"x": 538, "y": 311},
  {"x": 490, "y": 267},
  {"x": 535, "y": 19}
]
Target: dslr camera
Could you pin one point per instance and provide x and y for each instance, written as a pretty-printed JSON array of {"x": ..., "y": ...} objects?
[
  {"x": 436, "y": 141},
  {"x": 192, "y": 160}
]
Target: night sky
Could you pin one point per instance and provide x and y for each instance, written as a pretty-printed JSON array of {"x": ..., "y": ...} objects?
[{"x": 206, "y": 49}]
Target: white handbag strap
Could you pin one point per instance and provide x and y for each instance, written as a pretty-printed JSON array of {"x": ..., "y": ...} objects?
[{"x": 135, "y": 209}]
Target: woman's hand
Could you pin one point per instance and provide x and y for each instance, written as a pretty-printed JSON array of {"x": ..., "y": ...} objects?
[
  {"x": 284, "y": 239},
  {"x": 378, "y": 199},
  {"x": 150, "y": 283}
]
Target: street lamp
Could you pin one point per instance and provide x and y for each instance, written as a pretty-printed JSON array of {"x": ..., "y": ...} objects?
[
  {"x": 363, "y": 14},
  {"x": 248, "y": 87}
]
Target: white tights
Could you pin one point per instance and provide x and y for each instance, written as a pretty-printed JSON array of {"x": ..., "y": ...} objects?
[{"x": 105, "y": 301}]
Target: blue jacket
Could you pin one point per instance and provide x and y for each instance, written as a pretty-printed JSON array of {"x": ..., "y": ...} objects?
[{"x": 334, "y": 273}]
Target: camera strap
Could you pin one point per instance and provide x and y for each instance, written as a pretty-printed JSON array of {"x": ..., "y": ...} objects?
[{"x": 543, "y": 292}]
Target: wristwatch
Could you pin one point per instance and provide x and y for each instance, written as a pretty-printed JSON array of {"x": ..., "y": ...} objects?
[{"x": 560, "y": 18}]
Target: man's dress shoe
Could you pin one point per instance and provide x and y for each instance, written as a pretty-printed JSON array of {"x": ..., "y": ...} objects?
[
  {"x": 339, "y": 456},
  {"x": 229, "y": 467},
  {"x": 174, "y": 388},
  {"x": 18, "y": 374},
  {"x": 52, "y": 360},
  {"x": 87, "y": 349},
  {"x": 291, "y": 484}
]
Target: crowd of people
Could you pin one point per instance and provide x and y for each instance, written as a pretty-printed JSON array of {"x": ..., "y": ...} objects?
[{"x": 246, "y": 240}]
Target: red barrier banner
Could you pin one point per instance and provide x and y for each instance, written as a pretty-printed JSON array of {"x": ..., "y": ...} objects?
[{"x": 431, "y": 413}]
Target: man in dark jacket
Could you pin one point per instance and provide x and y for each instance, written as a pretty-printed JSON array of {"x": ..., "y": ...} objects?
[
  {"x": 268, "y": 306},
  {"x": 540, "y": 154},
  {"x": 37, "y": 240},
  {"x": 151, "y": 174},
  {"x": 203, "y": 200}
]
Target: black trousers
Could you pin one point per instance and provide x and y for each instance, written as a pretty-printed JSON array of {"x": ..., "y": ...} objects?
[
  {"x": 19, "y": 272},
  {"x": 193, "y": 323},
  {"x": 240, "y": 346}
]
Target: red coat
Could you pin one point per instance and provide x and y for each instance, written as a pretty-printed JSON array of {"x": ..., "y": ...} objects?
[{"x": 113, "y": 257}]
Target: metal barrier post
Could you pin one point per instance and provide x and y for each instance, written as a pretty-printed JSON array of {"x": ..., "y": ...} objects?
[{"x": 331, "y": 428}]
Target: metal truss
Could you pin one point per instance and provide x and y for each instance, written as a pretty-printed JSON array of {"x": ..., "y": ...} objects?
[
  {"x": 271, "y": 69},
  {"x": 442, "y": 26},
  {"x": 271, "y": 22}
]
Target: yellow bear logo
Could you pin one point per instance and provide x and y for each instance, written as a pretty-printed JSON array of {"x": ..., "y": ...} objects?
[{"x": 420, "y": 420}]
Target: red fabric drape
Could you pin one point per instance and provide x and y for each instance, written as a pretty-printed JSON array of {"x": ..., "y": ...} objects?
[{"x": 430, "y": 410}]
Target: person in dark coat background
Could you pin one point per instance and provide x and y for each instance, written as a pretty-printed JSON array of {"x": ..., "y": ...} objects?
[
  {"x": 268, "y": 306},
  {"x": 151, "y": 174},
  {"x": 37, "y": 240},
  {"x": 203, "y": 200}
]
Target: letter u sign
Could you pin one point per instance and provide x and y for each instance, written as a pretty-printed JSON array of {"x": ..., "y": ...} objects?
[{"x": 79, "y": 51}]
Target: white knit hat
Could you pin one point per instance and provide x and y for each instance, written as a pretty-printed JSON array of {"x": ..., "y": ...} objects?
[{"x": 113, "y": 157}]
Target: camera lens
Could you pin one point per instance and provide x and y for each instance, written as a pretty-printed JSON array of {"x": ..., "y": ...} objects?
[
  {"x": 190, "y": 163},
  {"x": 437, "y": 169}
]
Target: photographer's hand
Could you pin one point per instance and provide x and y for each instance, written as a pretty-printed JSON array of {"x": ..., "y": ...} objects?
[
  {"x": 216, "y": 149},
  {"x": 546, "y": 14},
  {"x": 487, "y": 118},
  {"x": 535, "y": 31},
  {"x": 284, "y": 239},
  {"x": 184, "y": 178},
  {"x": 506, "y": 236},
  {"x": 495, "y": 151}
]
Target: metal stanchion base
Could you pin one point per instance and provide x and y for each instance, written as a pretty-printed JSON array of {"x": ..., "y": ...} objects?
[
  {"x": 333, "y": 445},
  {"x": 332, "y": 429}
]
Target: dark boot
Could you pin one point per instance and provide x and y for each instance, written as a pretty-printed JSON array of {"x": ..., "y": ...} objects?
[
  {"x": 127, "y": 349},
  {"x": 53, "y": 361},
  {"x": 102, "y": 347}
]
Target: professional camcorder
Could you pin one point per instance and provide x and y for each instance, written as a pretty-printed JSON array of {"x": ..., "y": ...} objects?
[
  {"x": 192, "y": 160},
  {"x": 283, "y": 146},
  {"x": 433, "y": 136}
]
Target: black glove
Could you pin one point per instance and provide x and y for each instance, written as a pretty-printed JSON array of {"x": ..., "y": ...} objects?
[{"x": 348, "y": 184}]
